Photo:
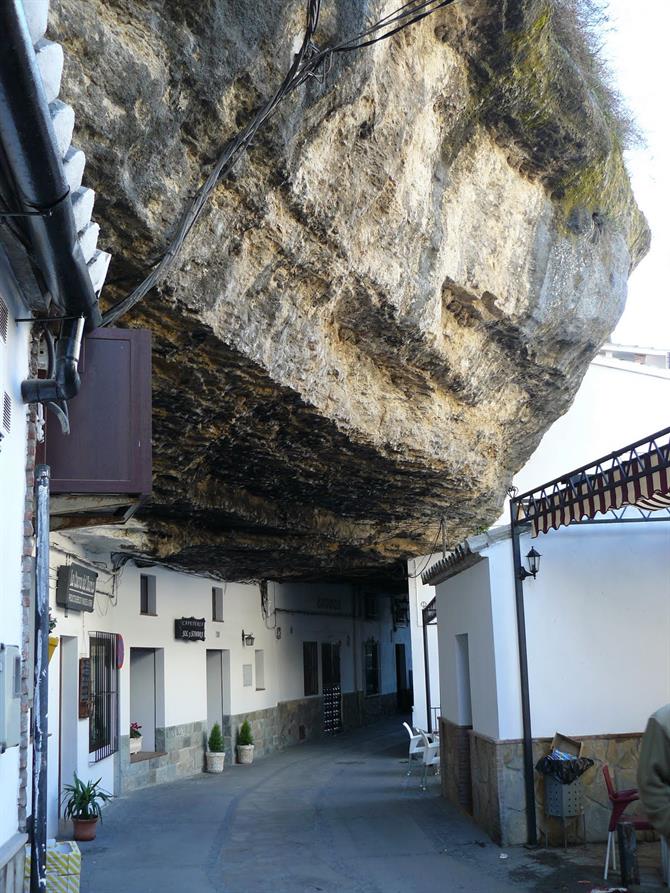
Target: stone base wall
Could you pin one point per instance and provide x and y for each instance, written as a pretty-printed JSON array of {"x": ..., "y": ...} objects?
[
  {"x": 455, "y": 759},
  {"x": 184, "y": 755},
  {"x": 361, "y": 710},
  {"x": 274, "y": 728},
  {"x": 277, "y": 727},
  {"x": 498, "y": 793}
]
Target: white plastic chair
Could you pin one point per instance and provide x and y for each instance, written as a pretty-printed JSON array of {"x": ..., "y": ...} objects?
[
  {"x": 431, "y": 757},
  {"x": 415, "y": 747}
]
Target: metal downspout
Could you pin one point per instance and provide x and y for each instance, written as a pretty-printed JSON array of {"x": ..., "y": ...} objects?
[
  {"x": 528, "y": 772},
  {"x": 38, "y": 881},
  {"x": 426, "y": 670}
]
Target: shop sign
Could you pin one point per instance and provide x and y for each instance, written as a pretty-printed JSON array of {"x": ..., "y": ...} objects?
[
  {"x": 76, "y": 587},
  {"x": 190, "y": 629}
]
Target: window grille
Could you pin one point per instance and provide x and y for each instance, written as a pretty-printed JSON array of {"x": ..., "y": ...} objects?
[
  {"x": 103, "y": 729},
  {"x": 310, "y": 660},
  {"x": 371, "y": 667},
  {"x": 4, "y": 320},
  {"x": 6, "y": 412}
]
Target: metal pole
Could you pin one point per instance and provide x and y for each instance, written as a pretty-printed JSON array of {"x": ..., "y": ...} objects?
[
  {"x": 529, "y": 778},
  {"x": 38, "y": 848},
  {"x": 426, "y": 670}
]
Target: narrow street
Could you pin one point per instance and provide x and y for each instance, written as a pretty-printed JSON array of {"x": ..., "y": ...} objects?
[{"x": 339, "y": 815}]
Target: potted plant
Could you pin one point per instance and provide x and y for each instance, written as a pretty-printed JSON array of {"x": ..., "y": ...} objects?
[
  {"x": 82, "y": 803},
  {"x": 245, "y": 743},
  {"x": 135, "y": 737},
  {"x": 215, "y": 754}
]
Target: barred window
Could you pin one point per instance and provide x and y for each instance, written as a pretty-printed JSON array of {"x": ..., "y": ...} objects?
[
  {"x": 371, "y": 667},
  {"x": 310, "y": 662},
  {"x": 103, "y": 735}
]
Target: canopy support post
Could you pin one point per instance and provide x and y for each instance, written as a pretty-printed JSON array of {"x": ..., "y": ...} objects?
[{"x": 529, "y": 778}]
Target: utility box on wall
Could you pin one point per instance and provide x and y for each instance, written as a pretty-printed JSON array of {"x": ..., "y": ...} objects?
[
  {"x": 10, "y": 696},
  {"x": 102, "y": 469}
]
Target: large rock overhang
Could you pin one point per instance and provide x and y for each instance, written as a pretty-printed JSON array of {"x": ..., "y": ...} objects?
[{"x": 393, "y": 297}]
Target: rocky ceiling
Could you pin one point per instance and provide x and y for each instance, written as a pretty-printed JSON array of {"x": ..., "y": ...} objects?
[{"x": 394, "y": 295}]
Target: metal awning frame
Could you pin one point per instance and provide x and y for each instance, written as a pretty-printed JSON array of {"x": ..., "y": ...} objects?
[{"x": 630, "y": 464}]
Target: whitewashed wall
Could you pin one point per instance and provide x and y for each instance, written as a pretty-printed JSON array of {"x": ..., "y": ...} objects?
[
  {"x": 597, "y": 627},
  {"x": 419, "y": 594},
  {"x": 13, "y": 369},
  {"x": 464, "y": 607},
  {"x": 117, "y": 609}
]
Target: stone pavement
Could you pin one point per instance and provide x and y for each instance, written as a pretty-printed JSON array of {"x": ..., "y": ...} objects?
[{"x": 333, "y": 816}]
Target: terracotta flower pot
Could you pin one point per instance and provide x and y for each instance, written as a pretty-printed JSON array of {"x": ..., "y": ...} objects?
[{"x": 84, "y": 829}]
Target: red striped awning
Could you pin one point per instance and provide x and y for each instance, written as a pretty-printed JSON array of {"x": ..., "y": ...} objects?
[{"x": 637, "y": 475}]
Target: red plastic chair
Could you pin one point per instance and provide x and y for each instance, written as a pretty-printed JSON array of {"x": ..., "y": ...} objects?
[{"x": 620, "y": 800}]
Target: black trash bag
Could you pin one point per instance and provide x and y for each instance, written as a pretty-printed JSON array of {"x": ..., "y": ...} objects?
[{"x": 565, "y": 771}]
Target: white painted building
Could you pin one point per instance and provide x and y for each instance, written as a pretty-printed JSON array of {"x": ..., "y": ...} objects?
[
  {"x": 14, "y": 358},
  {"x": 23, "y": 295},
  {"x": 177, "y": 689},
  {"x": 597, "y": 622}
]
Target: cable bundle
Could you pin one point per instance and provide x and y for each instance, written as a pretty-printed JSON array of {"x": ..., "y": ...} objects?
[{"x": 305, "y": 64}]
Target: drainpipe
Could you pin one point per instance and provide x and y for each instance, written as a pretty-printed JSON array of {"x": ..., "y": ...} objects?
[
  {"x": 528, "y": 772},
  {"x": 426, "y": 670},
  {"x": 41, "y": 201},
  {"x": 38, "y": 847}
]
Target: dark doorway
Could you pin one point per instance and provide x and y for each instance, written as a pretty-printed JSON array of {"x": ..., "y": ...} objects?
[
  {"x": 401, "y": 687},
  {"x": 332, "y": 691}
]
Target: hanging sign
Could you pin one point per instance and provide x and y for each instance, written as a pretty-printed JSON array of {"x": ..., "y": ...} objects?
[
  {"x": 190, "y": 629},
  {"x": 84, "y": 687},
  {"x": 76, "y": 587}
]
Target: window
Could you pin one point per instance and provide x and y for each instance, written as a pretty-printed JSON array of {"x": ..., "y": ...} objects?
[
  {"x": 370, "y": 607},
  {"x": 217, "y": 603},
  {"x": 148, "y": 595},
  {"x": 371, "y": 667},
  {"x": 104, "y": 718},
  {"x": 260, "y": 669},
  {"x": 310, "y": 662}
]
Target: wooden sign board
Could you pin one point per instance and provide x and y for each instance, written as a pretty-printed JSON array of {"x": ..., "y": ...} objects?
[
  {"x": 190, "y": 629},
  {"x": 85, "y": 694},
  {"x": 76, "y": 587}
]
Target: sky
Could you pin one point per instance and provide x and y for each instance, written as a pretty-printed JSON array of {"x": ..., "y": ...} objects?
[{"x": 636, "y": 45}]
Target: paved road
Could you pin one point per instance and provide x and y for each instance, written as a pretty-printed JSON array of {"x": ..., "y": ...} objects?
[{"x": 333, "y": 816}]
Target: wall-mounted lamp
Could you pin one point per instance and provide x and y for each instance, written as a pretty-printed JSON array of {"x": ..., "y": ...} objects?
[
  {"x": 247, "y": 638},
  {"x": 278, "y": 632},
  {"x": 533, "y": 558}
]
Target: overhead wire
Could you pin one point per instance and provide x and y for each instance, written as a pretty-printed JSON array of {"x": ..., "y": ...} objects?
[
  {"x": 430, "y": 553},
  {"x": 305, "y": 64}
]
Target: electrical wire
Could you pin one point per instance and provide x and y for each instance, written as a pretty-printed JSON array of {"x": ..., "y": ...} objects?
[
  {"x": 305, "y": 64},
  {"x": 430, "y": 554}
]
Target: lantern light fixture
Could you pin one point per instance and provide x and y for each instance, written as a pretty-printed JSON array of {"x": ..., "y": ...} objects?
[
  {"x": 533, "y": 560},
  {"x": 248, "y": 638}
]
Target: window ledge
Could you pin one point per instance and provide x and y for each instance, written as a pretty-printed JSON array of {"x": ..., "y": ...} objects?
[{"x": 148, "y": 614}]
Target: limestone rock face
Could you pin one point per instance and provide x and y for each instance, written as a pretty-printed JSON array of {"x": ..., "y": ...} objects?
[{"x": 394, "y": 295}]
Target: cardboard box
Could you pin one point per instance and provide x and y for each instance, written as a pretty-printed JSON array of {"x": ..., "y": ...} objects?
[{"x": 567, "y": 745}]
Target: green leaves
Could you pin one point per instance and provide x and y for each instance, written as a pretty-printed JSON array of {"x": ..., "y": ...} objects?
[
  {"x": 215, "y": 743},
  {"x": 244, "y": 735},
  {"x": 82, "y": 801}
]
